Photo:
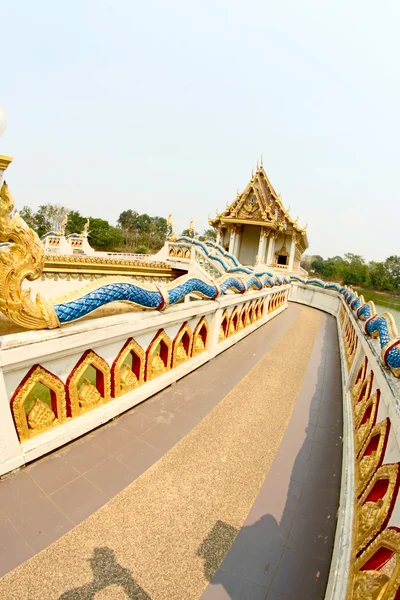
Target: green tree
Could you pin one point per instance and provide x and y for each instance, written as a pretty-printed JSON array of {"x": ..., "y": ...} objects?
[
  {"x": 210, "y": 234},
  {"x": 75, "y": 222},
  {"x": 392, "y": 266},
  {"x": 104, "y": 236},
  {"x": 28, "y": 216},
  {"x": 127, "y": 220}
]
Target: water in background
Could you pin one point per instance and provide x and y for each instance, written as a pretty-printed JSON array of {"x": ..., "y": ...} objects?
[{"x": 383, "y": 303}]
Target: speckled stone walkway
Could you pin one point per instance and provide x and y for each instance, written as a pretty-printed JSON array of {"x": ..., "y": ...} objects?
[{"x": 165, "y": 535}]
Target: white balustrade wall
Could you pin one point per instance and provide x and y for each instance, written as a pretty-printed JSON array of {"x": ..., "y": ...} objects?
[
  {"x": 371, "y": 396},
  {"x": 59, "y": 350}
]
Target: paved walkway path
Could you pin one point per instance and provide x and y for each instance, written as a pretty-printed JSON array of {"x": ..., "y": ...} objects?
[{"x": 166, "y": 534}]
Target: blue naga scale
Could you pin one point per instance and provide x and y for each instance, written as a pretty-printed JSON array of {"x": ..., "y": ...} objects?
[{"x": 232, "y": 281}]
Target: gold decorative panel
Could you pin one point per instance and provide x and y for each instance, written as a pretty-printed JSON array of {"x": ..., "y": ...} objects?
[
  {"x": 223, "y": 328},
  {"x": 33, "y": 414},
  {"x": 86, "y": 392},
  {"x": 360, "y": 378},
  {"x": 200, "y": 337},
  {"x": 342, "y": 315},
  {"x": 158, "y": 356},
  {"x": 374, "y": 508},
  {"x": 367, "y": 410},
  {"x": 350, "y": 342},
  {"x": 361, "y": 392},
  {"x": 371, "y": 455},
  {"x": 128, "y": 368},
  {"x": 233, "y": 322},
  {"x": 247, "y": 320},
  {"x": 182, "y": 346},
  {"x": 376, "y": 573}
]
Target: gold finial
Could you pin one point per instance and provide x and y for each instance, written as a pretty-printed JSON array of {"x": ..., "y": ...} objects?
[
  {"x": 86, "y": 231},
  {"x": 261, "y": 163},
  {"x": 252, "y": 173},
  {"x": 297, "y": 218},
  {"x": 63, "y": 225},
  {"x": 170, "y": 228},
  {"x": 192, "y": 231},
  {"x": 257, "y": 165}
]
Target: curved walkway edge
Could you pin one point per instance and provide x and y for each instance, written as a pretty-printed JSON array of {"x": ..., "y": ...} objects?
[
  {"x": 261, "y": 463},
  {"x": 284, "y": 548}
]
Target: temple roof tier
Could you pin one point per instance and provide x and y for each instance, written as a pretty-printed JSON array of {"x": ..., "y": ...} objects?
[{"x": 259, "y": 204}]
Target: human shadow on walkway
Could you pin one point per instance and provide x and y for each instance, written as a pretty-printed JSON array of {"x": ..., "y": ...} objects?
[
  {"x": 106, "y": 572},
  {"x": 292, "y": 556}
]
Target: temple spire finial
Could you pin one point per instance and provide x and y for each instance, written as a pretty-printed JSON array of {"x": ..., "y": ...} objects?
[{"x": 261, "y": 161}]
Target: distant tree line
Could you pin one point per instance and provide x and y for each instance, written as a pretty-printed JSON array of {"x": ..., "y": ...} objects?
[
  {"x": 354, "y": 270},
  {"x": 135, "y": 232}
]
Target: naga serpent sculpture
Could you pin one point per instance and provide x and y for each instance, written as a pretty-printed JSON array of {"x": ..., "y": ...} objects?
[{"x": 22, "y": 257}]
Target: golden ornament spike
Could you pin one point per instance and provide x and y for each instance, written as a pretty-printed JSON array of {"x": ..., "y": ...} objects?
[
  {"x": 192, "y": 230},
  {"x": 23, "y": 259},
  {"x": 261, "y": 164}
]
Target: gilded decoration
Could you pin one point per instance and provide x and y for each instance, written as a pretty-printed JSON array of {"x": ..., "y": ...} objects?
[
  {"x": 223, "y": 328},
  {"x": 182, "y": 345},
  {"x": 374, "y": 508},
  {"x": 362, "y": 392},
  {"x": 233, "y": 322},
  {"x": 242, "y": 318},
  {"x": 359, "y": 380},
  {"x": 257, "y": 309},
  {"x": 89, "y": 395},
  {"x": 158, "y": 356},
  {"x": 22, "y": 259},
  {"x": 366, "y": 419},
  {"x": 200, "y": 337},
  {"x": 41, "y": 416},
  {"x": 126, "y": 377},
  {"x": 262, "y": 308},
  {"x": 371, "y": 455},
  {"x": 342, "y": 315},
  {"x": 171, "y": 237},
  {"x": 253, "y": 313},
  {"x": 247, "y": 320},
  {"x": 376, "y": 573},
  {"x": 350, "y": 342}
]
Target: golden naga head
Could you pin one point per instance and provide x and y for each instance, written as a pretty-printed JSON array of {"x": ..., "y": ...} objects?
[
  {"x": 22, "y": 259},
  {"x": 86, "y": 231}
]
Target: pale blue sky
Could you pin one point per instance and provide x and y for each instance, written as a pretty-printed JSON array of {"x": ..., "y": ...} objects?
[{"x": 166, "y": 105}]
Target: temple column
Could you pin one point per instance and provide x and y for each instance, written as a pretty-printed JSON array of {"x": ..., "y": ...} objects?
[
  {"x": 218, "y": 238},
  {"x": 238, "y": 238},
  {"x": 261, "y": 247},
  {"x": 271, "y": 250},
  {"x": 232, "y": 241},
  {"x": 292, "y": 253}
]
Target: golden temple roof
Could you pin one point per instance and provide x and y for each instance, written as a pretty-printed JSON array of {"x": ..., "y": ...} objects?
[{"x": 259, "y": 204}]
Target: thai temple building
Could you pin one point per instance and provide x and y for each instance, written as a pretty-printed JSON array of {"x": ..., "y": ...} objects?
[
  {"x": 257, "y": 229},
  {"x": 209, "y": 422}
]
